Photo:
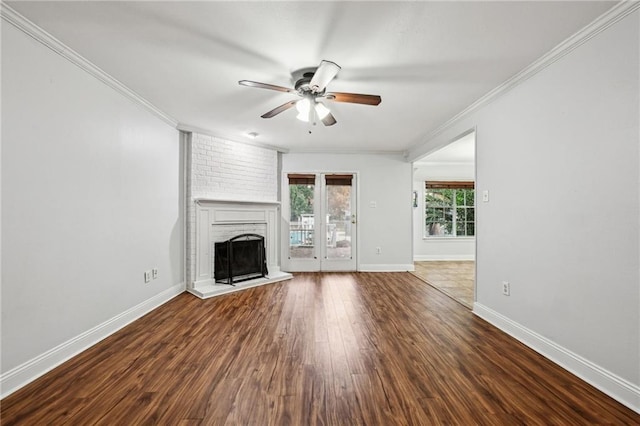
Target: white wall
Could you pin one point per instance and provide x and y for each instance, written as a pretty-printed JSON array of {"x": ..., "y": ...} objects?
[
  {"x": 385, "y": 179},
  {"x": 439, "y": 248},
  {"x": 560, "y": 156},
  {"x": 226, "y": 170},
  {"x": 91, "y": 198}
]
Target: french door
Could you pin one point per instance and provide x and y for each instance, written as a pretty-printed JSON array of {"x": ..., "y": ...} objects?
[{"x": 322, "y": 232}]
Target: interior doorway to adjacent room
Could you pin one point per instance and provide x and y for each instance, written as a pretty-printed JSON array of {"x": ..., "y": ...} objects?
[{"x": 444, "y": 219}]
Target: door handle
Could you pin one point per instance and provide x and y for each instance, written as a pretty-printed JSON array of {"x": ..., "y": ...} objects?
[{"x": 353, "y": 218}]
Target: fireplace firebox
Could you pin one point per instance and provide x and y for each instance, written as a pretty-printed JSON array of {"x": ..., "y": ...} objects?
[{"x": 240, "y": 258}]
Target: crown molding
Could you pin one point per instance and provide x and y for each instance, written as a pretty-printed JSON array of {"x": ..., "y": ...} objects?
[
  {"x": 345, "y": 152},
  {"x": 443, "y": 163},
  {"x": 604, "y": 21},
  {"x": 14, "y": 18}
]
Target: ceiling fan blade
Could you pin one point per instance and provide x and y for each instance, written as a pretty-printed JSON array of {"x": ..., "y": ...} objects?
[
  {"x": 266, "y": 86},
  {"x": 354, "y": 98},
  {"x": 279, "y": 109},
  {"x": 326, "y": 72},
  {"x": 329, "y": 120}
]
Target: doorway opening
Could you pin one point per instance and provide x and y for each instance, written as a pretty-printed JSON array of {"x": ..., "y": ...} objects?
[
  {"x": 444, "y": 219},
  {"x": 322, "y": 228}
]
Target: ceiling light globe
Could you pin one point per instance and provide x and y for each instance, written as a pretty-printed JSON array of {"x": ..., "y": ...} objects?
[
  {"x": 304, "y": 107},
  {"x": 321, "y": 110}
]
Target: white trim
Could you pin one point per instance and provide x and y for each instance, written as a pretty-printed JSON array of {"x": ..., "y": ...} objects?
[
  {"x": 391, "y": 267},
  {"x": 25, "y": 373},
  {"x": 435, "y": 257},
  {"x": 32, "y": 30},
  {"x": 604, "y": 21},
  {"x": 616, "y": 387},
  {"x": 220, "y": 200},
  {"x": 346, "y": 151},
  {"x": 425, "y": 164},
  {"x": 184, "y": 148}
]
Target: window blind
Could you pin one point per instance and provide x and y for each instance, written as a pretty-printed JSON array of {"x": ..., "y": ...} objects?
[
  {"x": 301, "y": 179},
  {"x": 344, "y": 180},
  {"x": 439, "y": 184}
]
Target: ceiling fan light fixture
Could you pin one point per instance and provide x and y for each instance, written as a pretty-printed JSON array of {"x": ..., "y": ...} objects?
[
  {"x": 321, "y": 110},
  {"x": 304, "y": 109},
  {"x": 310, "y": 85}
]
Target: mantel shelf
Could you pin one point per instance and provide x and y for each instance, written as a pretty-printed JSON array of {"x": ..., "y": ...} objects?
[{"x": 218, "y": 200}]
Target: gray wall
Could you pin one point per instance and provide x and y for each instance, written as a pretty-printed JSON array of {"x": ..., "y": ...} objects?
[
  {"x": 385, "y": 179},
  {"x": 560, "y": 156},
  {"x": 91, "y": 198}
]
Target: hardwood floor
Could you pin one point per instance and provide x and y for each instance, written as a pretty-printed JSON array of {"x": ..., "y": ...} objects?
[
  {"x": 321, "y": 349},
  {"x": 455, "y": 278}
]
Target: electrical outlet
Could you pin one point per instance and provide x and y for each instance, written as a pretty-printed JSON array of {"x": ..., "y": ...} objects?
[
  {"x": 378, "y": 250},
  {"x": 154, "y": 273},
  {"x": 147, "y": 276},
  {"x": 506, "y": 288}
]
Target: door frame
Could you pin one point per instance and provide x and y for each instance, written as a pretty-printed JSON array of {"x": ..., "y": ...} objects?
[{"x": 315, "y": 264}]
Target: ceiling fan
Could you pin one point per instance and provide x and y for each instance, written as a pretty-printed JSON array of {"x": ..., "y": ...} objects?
[{"x": 310, "y": 85}]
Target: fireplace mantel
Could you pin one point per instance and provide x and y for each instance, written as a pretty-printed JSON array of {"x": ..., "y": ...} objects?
[
  {"x": 217, "y": 212},
  {"x": 229, "y": 201}
]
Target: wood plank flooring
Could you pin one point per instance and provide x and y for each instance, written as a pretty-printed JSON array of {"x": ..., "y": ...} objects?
[
  {"x": 321, "y": 349},
  {"x": 455, "y": 278}
]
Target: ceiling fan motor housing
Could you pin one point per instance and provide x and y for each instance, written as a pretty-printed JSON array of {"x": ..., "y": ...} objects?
[{"x": 302, "y": 79}]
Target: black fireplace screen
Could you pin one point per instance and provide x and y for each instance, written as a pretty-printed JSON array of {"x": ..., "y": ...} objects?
[{"x": 239, "y": 259}]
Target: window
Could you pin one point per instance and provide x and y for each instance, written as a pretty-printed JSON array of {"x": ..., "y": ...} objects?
[
  {"x": 301, "y": 225},
  {"x": 449, "y": 209}
]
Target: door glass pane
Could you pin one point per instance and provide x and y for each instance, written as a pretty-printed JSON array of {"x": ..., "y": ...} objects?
[
  {"x": 301, "y": 225},
  {"x": 338, "y": 238}
]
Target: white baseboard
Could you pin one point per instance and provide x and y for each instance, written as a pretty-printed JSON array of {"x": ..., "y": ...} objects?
[
  {"x": 617, "y": 388},
  {"x": 430, "y": 257},
  {"x": 25, "y": 373},
  {"x": 374, "y": 267}
]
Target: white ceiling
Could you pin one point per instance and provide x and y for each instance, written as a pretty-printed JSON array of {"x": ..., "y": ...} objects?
[
  {"x": 428, "y": 60},
  {"x": 460, "y": 151}
]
